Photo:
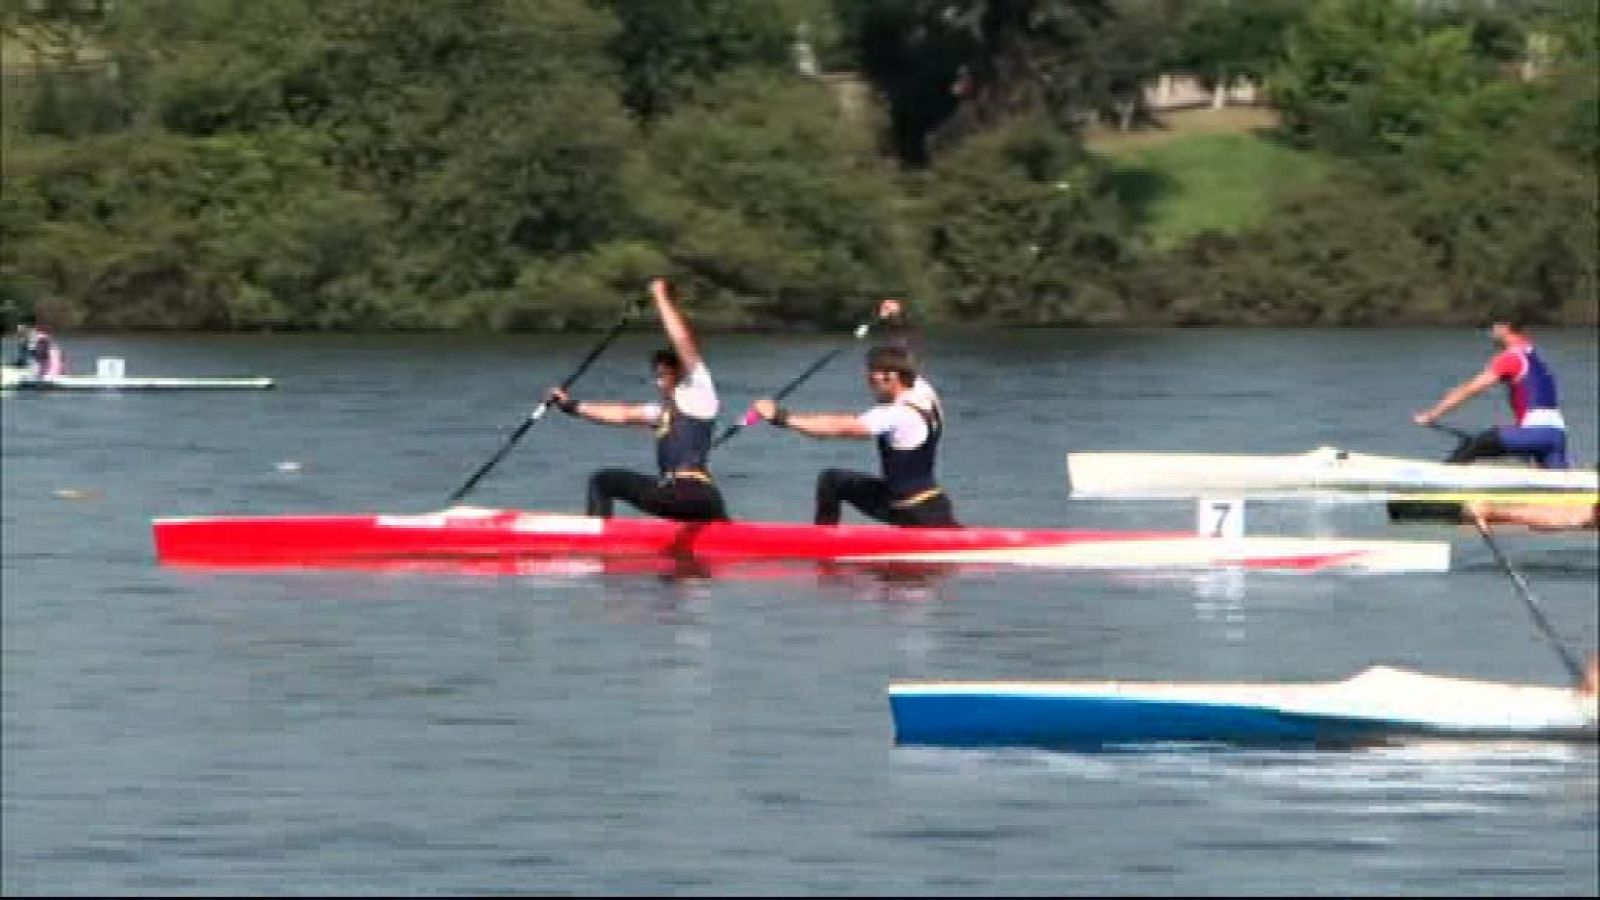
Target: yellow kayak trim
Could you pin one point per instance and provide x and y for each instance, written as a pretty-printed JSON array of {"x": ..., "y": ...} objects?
[{"x": 1549, "y": 498}]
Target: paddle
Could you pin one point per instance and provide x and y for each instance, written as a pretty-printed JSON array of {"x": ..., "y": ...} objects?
[
  {"x": 1459, "y": 434},
  {"x": 750, "y": 417},
  {"x": 1528, "y": 599},
  {"x": 1412, "y": 510},
  {"x": 542, "y": 408}
]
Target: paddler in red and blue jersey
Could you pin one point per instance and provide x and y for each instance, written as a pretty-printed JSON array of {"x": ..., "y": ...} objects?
[
  {"x": 37, "y": 351},
  {"x": 1540, "y": 432},
  {"x": 683, "y": 421},
  {"x": 907, "y": 424}
]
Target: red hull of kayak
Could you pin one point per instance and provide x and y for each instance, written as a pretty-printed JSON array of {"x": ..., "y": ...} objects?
[
  {"x": 510, "y": 533},
  {"x": 469, "y": 534}
]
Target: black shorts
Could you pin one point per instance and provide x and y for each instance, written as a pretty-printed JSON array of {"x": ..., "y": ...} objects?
[
  {"x": 680, "y": 499},
  {"x": 871, "y": 496}
]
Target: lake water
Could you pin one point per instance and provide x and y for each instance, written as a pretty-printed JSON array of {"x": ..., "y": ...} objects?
[{"x": 186, "y": 732}]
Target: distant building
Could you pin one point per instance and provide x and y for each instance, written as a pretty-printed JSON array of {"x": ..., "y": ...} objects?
[{"x": 1178, "y": 90}]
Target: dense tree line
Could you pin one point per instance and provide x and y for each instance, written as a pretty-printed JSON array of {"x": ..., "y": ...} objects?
[{"x": 526, "y": 164}]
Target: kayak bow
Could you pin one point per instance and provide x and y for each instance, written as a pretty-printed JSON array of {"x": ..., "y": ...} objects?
[{"x": 1378, "y": 705}]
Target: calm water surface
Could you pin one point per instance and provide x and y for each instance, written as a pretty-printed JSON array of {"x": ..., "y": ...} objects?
[{"x": 182, "y": 732}]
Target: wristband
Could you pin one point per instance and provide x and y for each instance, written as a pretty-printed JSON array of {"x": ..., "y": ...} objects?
[
  {"x": 568, "y": 406},
  {"x": 780, "y": 417}
]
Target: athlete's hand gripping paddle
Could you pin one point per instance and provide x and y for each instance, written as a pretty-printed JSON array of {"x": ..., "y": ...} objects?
[
  {"x": 751, "y": 417},
  {"x": 1450, "y": 430},
  {"x": 544, "y": 406}
]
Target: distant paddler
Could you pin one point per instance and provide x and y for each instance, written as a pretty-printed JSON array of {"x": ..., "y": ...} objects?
[
  {"x": 907, "y": 426},
  {"x": 683, "y": 420},
  {"x": 38, "y": 354},
  {"x": 1540, "y": 432}
]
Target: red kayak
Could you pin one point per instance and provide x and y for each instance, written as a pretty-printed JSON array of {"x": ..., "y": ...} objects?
[{"x": 475, "y": 535}]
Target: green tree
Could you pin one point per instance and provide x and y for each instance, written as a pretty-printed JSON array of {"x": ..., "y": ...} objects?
[
  {"x": 776, "y": 203},
  {"x": 1022, "y": 226},
  {"x": 670, "y": 48},
  {"x": 1226, "y": 40}
]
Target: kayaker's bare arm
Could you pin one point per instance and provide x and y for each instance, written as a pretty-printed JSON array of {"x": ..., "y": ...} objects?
[
  {"x": 678, "y": 330},
  {"x": 818, "y": 425},
  {"x": 1459, "y": 395},
  {"x": 604, "y": 413},
  {"x": 1551, "y": 517}
]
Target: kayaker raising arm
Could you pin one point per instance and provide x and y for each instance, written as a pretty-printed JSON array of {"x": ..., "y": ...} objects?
[
  {"x": 37, "y": 351},
  {"x": 896, "y": 331},
  {"x": 683, "y": 420},
  {"x": 1539, "y": 432},
  {"x": 908, "y": 442}
]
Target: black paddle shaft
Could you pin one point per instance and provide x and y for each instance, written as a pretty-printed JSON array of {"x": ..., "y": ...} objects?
[
  {"x": 539, "y": 411},
  {"x": 795, "y": 383},
  {"x": 1528, "y": 600}
]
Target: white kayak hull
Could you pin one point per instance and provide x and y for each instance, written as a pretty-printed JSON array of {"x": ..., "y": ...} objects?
[
  {"x": 1326, "y": 470},
  {"x": 14, "y": 379},
  {"x": 1379, "y": 705}
]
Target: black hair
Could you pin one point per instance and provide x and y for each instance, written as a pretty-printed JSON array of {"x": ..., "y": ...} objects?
[
  {"x": 1510, "y": 314},
  {"x": 668, "y": 357},
  {"x": 890, "y": 358}
]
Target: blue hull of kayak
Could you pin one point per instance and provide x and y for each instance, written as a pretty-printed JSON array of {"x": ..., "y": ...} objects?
[{"x": 973, "y": 720}]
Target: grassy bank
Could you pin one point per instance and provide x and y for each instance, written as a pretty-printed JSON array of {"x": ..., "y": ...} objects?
[{"x": 1215, "y": 170}]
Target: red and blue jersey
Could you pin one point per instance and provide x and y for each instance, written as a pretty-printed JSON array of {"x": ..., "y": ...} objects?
[
  {"x": 1530, "y": 387},
  {"x": 41, "y": 356}
]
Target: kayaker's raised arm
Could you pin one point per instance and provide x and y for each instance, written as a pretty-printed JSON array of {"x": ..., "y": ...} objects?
[
  {"x": 678, "y": 330},
  {"x": 682, "y": 419}
]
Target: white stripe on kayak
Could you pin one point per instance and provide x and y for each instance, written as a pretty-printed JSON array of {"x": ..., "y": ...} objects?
[{"x": 1197, "y": 552}]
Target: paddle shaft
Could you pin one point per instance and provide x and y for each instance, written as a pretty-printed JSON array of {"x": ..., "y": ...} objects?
[
  {"x": 1451, "y": 430},
  {"x": 538, "y": 412},
  {"x": 786, "y": 390},
  {"x": 1528, "y": 600}
]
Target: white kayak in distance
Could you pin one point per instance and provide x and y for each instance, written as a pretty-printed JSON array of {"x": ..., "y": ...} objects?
[
  {"x": 113, "y": 378},
  {"x": 1324, "y": 471},
  {"x": 1380, "y": 705}
]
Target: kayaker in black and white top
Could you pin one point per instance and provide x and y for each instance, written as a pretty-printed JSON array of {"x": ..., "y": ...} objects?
[
  {"x": 907, "y": 423},
  {"x": 683, "y": 421}
]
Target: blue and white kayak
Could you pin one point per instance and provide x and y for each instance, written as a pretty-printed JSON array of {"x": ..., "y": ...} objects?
[{"x": 1379, "y": 705}]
